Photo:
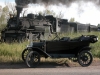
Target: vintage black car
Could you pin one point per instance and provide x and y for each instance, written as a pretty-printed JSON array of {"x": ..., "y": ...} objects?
[{"x": 60, "y": 48}]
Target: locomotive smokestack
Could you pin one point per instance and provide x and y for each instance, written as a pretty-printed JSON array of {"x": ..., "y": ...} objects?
[
  {"x": 19, "y": 9},
  {"x": 20, "y": 5}
]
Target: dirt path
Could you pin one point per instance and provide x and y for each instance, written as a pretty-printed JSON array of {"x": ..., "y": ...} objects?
[
  {"x": 50, "y": 68},
  {"x": 96, "y": 62}
]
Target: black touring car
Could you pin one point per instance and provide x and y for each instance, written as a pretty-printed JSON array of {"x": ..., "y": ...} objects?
[{"x": 60, "y": 48}]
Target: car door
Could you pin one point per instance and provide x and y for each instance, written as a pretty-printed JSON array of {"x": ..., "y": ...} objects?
[{"x": 57, "y": 47}]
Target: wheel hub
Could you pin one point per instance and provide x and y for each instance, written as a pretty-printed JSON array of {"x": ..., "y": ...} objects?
[{"x": 84, "y": 58}]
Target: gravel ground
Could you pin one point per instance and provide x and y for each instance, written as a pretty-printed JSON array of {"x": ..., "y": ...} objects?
[{"x": 96, "y": 62}]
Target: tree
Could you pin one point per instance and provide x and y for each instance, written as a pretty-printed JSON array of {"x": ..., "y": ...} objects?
[
  {"x": 0, "y": 8},
  {"x": 4, "y": 14},
  {"x": 3, "y": 17},
  {"x": 98, "y": 25},
  {"x": 60, "y": 15},
  {"x": 47, "y": 12},
  {"x": 72, "y": 20},
  {"x": 11, "y": 7}
]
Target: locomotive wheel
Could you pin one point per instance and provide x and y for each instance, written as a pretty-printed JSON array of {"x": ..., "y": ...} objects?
[
  {"x": 33, "y": 59},
  {"x": 85, "y": 58},
  {"x": 24, "y": 54}
]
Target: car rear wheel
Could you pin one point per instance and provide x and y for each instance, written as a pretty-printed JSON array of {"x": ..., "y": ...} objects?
[
  {"x": 85, "y": 58},
  {"x": 24, "y": 54},
  {"x": 33, "y": 59}
]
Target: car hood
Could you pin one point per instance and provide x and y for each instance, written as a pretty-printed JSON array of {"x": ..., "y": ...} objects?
[{"x": 38, "y": 44}]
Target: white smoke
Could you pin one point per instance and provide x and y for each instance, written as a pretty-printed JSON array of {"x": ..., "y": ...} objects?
[{"x": 84, "y": 11}]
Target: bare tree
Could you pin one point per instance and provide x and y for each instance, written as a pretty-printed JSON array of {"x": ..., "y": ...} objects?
[
  {"x": 60, "y": 15},
  {"x": 11, "y": 7}
]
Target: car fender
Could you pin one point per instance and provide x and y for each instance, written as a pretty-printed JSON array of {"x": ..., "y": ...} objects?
[
  {"x": 87, "y": 48},
  {"x": 40, "y": 51}
]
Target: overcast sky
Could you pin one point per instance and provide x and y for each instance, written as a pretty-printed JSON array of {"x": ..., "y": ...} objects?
[{"x": 83, "y": 13}]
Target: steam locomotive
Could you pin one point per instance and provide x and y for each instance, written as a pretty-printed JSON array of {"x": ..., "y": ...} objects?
[{"x": 30, "y": 27}]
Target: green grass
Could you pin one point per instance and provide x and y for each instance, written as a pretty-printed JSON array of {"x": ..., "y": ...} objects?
[{"x": 12, "y": 52}]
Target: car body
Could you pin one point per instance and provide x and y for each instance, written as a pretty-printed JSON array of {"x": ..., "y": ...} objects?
[{"x": 62, "y": 48}]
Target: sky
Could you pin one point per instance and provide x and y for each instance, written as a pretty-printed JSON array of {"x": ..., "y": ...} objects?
[
  {"x": 83, "y": 12},
  {"x": 2, "y": 2}
]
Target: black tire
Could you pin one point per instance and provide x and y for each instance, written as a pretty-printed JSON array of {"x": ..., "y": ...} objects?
[
  {"x": 33, "y": 59},
  {"x": 85, "y": 58},
  {"x": 24, "y": 54}
]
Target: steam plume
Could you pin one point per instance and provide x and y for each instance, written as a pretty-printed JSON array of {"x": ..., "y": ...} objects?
[
  {"x": 23, "y": 3},
  {"x": 51, "y": 2}
]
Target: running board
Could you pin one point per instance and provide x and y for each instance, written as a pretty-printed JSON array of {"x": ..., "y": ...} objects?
[{"x": 62, "y": 55}]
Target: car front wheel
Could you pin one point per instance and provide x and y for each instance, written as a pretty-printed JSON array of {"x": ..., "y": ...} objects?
[
  {"x": 24, "y": 54},
  {"x": 33, "y": 59},
  {"x": 85, "y": 58}
]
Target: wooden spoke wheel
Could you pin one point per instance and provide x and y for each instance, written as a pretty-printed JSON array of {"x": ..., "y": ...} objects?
[
  {"x": 24, "y": 54},
  {"x": 85, "y": 58},
  {"x": 33, "y": 59}
]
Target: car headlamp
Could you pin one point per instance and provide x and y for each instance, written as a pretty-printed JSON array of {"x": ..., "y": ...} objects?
[{"x": 95, "y": 39}]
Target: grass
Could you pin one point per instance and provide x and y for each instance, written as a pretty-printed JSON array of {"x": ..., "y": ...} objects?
[{"x": 12, "y": 52}]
